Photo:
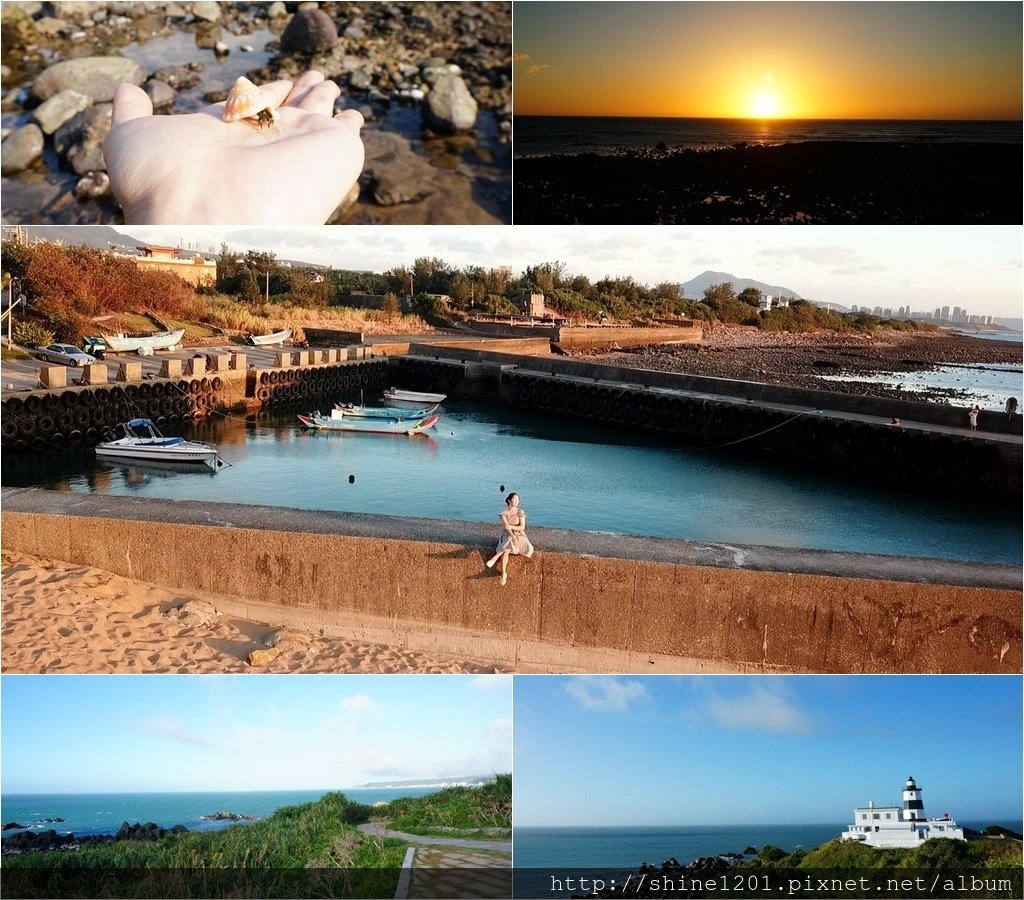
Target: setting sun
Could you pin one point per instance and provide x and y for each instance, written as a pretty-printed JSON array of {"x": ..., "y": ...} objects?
[{"x": 765, "y": 105}]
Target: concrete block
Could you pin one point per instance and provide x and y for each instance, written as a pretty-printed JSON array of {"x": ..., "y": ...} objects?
[
  {"x": 170, "y": 368},
  {"x": 237, "y": 362},
  {"x": 53, "y": 377},
  {"x": 94, "y": 373},
  {"x": 303, "y": 358},
  {"x": 129, "y": 371},
  {"x": 197, "y": 366},
  {"x": 283, "y": 359},
  {"x": 217, "y": 362}
]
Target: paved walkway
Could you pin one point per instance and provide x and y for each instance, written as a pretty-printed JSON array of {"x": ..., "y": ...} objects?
[{"x": 438, "y": 867}]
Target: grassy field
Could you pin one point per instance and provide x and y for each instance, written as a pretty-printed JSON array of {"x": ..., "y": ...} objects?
[{"x": 313, "y": 850}]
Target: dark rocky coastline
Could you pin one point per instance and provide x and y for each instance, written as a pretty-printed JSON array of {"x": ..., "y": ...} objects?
[
  {"x": 799, "y": 360},
  {"x": 45, "y": 841},
  {"x": 815, "y": 182}
]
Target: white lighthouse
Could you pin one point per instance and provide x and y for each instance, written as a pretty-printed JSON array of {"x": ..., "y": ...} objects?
[
  {"x": 894, "y": 826},
  {"x": 913, "y": 805}
]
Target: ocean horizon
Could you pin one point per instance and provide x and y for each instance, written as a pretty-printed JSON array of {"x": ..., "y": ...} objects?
[
  {"x": 543, "y": 852},
  {"x": 554, "y": 135},
  {"x": 102, "y": 813}
]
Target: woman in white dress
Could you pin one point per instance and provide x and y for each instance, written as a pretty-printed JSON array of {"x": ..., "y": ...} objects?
[{"x": 513, "y": 536}]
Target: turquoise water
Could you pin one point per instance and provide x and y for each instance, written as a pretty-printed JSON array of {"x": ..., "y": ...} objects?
[
  {"x": 86, "y": 814},
  {"x": 570, "y": 475}
]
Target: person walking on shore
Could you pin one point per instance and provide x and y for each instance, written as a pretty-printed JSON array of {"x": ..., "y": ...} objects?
[
  {"x": 1011, "y": 409},
  {"x": 973, "y": 416},
  {"x": 513, "y": 540}
]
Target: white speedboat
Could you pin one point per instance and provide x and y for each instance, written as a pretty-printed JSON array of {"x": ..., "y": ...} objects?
[
  {"x": 268, "y": 340},
  {"x": 413, "y": 396},
  {"x": 141, "y": 442}
]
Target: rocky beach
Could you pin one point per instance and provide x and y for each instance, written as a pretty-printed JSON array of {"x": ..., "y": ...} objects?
[
  {"x": 432, "y": 80},
  {"x": 803, "y": 360},
  {"x": 814, "y": 182}
]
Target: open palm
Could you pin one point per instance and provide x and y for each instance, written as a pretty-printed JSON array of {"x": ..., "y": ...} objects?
[{"x": 199, "y": 169}]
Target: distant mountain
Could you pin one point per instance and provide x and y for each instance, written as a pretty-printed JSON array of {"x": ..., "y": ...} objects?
[
  {"x": 1012, "y": 324},
  {"x": 97, "y": 236},
  {"x": 695, "y": 287},
  {"x": 453, "y": 781}
]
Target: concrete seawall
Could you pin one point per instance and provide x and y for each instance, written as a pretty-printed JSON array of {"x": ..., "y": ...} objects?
[{"x": 587, "y": 602}]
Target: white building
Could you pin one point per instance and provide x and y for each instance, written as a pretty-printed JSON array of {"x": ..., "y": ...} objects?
[{"x": 895, "y": 826}]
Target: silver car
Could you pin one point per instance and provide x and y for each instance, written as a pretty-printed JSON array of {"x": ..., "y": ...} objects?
[{"x": 67, "y": 354}]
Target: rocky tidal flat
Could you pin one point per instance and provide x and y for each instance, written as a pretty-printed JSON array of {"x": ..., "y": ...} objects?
[
  {"x": 814, "y": 182},
  {"x": 801, "y": 360},
  {"x": 432, "y": 80}
]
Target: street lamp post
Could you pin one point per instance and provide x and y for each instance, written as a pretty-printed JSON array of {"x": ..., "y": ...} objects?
[{"x": 10, "y": 309}]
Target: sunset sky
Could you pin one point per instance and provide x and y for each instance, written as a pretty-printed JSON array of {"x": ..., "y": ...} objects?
[{"x": 769, "y": 60}]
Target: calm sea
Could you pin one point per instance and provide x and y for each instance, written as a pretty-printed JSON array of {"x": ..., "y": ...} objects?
[
  {"x": 86, "y": 814},
  {"x": 549, "y": 135},
  {"x": 542, "y": 852},
  {"x": 569, "y": 474}
]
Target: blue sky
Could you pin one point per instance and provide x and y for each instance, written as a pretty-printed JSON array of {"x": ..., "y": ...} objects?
[
  {"x": 723, "y": 750},
  {"x": 225, "y": 732},
  {"x": 978, "y": 268}
]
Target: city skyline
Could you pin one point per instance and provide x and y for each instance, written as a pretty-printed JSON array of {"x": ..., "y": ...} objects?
[
  {"x": 769, "y": 60},
  {"x": 888, "y": 266},
  {"x": 729, "y": 750},
  {"x": 129, "y": 733}
]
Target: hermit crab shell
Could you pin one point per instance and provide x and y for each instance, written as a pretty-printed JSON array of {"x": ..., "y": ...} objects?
[{"x": 246, "y": 102}]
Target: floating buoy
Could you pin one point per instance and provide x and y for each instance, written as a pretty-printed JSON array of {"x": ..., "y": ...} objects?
[
  {"x": 502, "y": 488},
  {"x": 351, "y": 479}
]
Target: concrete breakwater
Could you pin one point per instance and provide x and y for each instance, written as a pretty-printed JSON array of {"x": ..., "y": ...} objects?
[
  {"x": 836, "y": 431},
  {"x": 588, "y": 602}
]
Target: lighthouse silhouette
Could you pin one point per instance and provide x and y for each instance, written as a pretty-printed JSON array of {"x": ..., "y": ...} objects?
[{"x": 913, "y": 805}]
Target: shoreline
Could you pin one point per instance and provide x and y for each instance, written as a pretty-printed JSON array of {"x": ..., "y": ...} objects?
[
  {"x": 799, "y": 360},
  {"x": 793, "y": 183}
]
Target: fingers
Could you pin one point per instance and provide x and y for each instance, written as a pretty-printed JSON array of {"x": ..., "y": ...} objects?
[
  {"x": 130, "y": 102},
  {"x": 276, "y": 92},
  {"x": 350, "y": 117},
  {"x": 303, "y": 85},
  {"x": 320, "y": 99}
]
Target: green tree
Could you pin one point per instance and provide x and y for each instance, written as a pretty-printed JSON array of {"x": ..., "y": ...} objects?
[{"x": 751, "y": 295}]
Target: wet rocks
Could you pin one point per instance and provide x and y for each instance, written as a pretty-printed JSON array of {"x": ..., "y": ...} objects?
[
  {"x": 206, "y": 10},
  {"x": 80, "y": 139},
  {"x": 310, "y": 31},
  {"x": 160, "y": 93},
  {"x": 11, "y": 826},
  {"x": 92, "y": 186},
  {"x": 95, "y": 76},
  {"x": 449, "y": 106},
  {"x": 227, "y": 817},
  {"x": 53, "y": 113},
  {"x": 21, "y": 148},
  {"x": 146, "y": 833}
]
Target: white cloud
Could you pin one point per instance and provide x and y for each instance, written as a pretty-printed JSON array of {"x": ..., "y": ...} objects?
[
  {"x": 605, "y": 693},
  {"x": 490, "y": 684},
  {"x": 172, "y": 729},
  {"x": 360, "y": 703},
  {"x": 761, "y": 708}
]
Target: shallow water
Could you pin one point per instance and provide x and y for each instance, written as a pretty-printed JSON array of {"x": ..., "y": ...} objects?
[{"x": 571, "y": 475}]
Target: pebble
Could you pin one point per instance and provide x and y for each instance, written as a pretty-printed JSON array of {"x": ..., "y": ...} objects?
[
  {"x": 21, "y": 148},
  {"x": 93, "y": 185},
  {"x": 309, "y": 31},
  {"x": 206, "y": 10},
  {"x": 160, "y": 93},
  {"x": 450, "y": 107},
  {"x": 53, "y": 113}
]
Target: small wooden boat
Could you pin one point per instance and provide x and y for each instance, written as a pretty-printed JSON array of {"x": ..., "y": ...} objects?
[
  {"x": 268, "y": 340},
  {"x": 337, "y": 422},
  {"x": 141, "y": 442},
  {"x": 413, "y": 396},
  {"x": 384, "y": 412},
  {"x": 143, "y": 344}
]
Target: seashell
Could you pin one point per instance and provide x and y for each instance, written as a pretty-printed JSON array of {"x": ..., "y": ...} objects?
[{"x": 246, "y": 102}]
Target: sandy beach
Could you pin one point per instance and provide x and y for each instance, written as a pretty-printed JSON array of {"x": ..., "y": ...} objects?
[{"x": 60, "y": 617}]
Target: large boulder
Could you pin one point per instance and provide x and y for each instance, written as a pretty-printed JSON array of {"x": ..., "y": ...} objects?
[
  {"x": 449, "y": 107},
  {"x": 20, "y": 149},
  {"x": 309, "y": 31},
  {"x": 95, "y": 76}
]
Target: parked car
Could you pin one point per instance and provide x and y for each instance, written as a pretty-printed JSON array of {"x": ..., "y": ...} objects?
[{"x": 67, "y": 354}]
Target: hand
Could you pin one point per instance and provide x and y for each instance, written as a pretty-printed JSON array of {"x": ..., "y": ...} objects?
[{"x": 198, "y": 169}]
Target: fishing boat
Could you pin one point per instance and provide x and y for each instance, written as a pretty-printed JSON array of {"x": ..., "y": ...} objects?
[
  {"x": 338, "y": 422},
  {"x": 140, "y": 441},
  {"x": 384, "y": 412},
  {"x": 268, "y": 340},
  {"x": 413, "y": 396},
  {"x": 144, "y": 344}
]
